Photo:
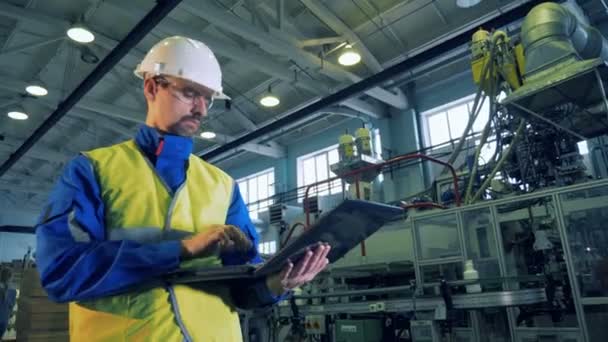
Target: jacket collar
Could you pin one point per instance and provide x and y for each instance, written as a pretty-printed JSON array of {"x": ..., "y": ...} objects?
[{"x": 172, "y": 146}]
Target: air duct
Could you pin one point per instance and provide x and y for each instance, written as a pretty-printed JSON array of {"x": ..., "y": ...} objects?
[{"x": 551, "y": 34}]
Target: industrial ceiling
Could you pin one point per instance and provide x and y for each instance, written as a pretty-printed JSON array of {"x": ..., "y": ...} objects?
[{"x": 290, "y": 47}]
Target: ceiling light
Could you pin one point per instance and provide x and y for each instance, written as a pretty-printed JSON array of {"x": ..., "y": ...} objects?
[
  {"x": 208, "y": 135},
  {"x": 80, "y": 34},
  {"x": 17, "y": 114},
  {"x": 36, "y": 89},
  {"x": 467, "y": 3},
  {"x": 269, "y": 99},
  {"x": 349, "y": 56}
]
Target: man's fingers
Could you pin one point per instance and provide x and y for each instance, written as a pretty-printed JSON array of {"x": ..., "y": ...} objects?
[
  {"x": 302, "y": 265},
  {"x": 316, "y": 258},
  {"x": 324, "y": 258},
  {"x": 319, "y": 258},
  {"x": 286, "y": 272},
  {"x": 241, "y": 241}
]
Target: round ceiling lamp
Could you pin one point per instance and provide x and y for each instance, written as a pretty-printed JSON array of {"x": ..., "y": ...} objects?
[
  {"x": 80, "y": 34},
  {"x": 37, "y": 88},
  {"x": 208, "y": 135},
  {"x": 269, "y": 99},
  {"x": 467, "y": 3},
  {"x": 349, "y": 56},
  {"x": 18, "y": 114}
]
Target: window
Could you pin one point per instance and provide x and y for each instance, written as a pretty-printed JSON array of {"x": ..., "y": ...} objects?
[
  {"x": 449, "y": 121},
  {"x": 268, "y": 247},
  {"x": 315, "y": 167},
  {"x": 256, "y": 190},
  {"x": 583, "y": 148}
]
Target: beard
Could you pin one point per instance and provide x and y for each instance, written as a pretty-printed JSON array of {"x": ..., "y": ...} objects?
[{"x": 186, "y": 126}]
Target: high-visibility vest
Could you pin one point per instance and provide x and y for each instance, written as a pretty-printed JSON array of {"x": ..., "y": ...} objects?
[{"x": 140, "y": 207}]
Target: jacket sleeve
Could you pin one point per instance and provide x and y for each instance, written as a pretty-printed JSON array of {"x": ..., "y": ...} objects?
[
  {"x": 75, "y": 260},
  {"x": 247, "y": 295}
]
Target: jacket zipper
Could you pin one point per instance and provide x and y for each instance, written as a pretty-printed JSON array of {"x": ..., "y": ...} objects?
[{"x": 169, "y": 288}]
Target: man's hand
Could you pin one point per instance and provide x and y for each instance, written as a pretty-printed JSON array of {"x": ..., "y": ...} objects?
[
  {"x": 303, "y": 272},
  {"x": 219, "y": 238}
]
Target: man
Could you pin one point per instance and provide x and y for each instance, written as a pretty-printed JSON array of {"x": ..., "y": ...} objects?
[{"x": 122, "y": 216}]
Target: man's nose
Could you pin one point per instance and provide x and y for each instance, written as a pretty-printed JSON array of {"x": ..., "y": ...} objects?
[{"x": 200, "y": 105}]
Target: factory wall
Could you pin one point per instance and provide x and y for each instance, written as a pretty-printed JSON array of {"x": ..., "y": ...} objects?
[
  {"x": 286, "y": 169},
  {"x": 13, "y": 245},
  {"x": 445, "y": 91},
  {"x": 399, "y": 134}
]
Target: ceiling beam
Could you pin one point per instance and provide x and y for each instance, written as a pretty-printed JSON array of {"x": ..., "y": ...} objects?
[
  {"x": 337, "y": 25},
  {"x": 286, "y": 46},
  {"x": 268, "y": 151},
  {"x": 273, "y": 150},
  {"x": 10, "y": 144},
  {"x": 320, "y": 41},
  {"x": 30, "y": 45},
  {"x": 280, "y": 5},
  {"x": 374, "y": 111},
  {"x": 18, "y": 229}
]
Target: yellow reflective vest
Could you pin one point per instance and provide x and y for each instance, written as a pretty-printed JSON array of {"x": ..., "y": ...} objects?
[{"x": 140, "y": 207}]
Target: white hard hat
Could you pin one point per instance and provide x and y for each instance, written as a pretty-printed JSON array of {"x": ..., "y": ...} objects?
[{"x": 185, "y": 58}]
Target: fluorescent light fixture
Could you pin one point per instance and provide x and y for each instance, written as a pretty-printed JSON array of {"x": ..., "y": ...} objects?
[
  {"x": 80, "y": 34},
  {"x": 17, "y": 115},
  {"x": 208, "y": 135},
  {"x": 36, "y": 89},
  {"x": 467, "y": 3},
  {"x": 349, "y": 57}
]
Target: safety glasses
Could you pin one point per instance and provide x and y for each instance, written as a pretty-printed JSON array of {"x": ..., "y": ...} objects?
[{"x": 186, "y": 94}]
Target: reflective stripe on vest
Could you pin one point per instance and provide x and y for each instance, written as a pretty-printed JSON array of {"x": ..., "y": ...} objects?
[{"x": 140, "y": 207}]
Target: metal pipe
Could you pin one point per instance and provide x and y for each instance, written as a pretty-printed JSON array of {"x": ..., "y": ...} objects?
[
  {"x": 158, "y": 13},
  {"x": 463, "y": 38},
  {"x": 551, "y": 33},
  {"x": 380, "y": 290},
  {"x": 554, "y": 124}
]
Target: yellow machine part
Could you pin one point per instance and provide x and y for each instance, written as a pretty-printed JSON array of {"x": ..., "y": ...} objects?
[
  {"x": 477, "y": 67},
  {"x": 520, "y": 59},
  {"x": 509, "y": 73}
]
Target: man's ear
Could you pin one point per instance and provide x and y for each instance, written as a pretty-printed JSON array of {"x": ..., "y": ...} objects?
[{"x": 150, "y": 89}]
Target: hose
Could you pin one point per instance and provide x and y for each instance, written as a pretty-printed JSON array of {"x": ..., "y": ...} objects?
[
  {"x": 502, "y": 160},
  {"x": 290, "y": 233},
  {"x": 488, "y": 68},
  {"x": 482, "y": 141}
]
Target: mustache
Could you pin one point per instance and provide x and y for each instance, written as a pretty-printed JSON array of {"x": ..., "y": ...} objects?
[{"x": 194, "y": 116}]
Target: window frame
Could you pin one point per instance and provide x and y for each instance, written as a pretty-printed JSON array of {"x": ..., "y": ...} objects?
[
  {"x": 301, "y": 183},
  {"x": 444, "y": 110},
  {"x": 260, "y": 203}
]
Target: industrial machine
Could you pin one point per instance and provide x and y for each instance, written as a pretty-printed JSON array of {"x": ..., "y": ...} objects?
[
  {"x": 551, "y": 79},
  {"x": 514, "y": 249}
]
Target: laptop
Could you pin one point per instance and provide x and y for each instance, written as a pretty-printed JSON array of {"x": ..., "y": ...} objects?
[{"x": 343, "y": 228}]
